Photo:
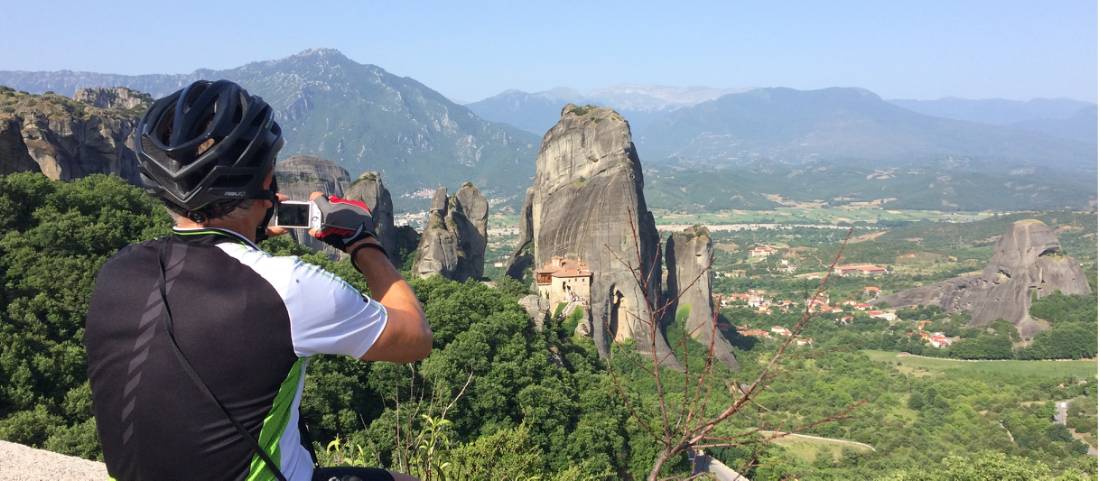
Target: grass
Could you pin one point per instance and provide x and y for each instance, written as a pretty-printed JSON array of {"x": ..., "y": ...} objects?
[
  {"x": 808, "y": 448},
  {"x": 916, "y": 365}
]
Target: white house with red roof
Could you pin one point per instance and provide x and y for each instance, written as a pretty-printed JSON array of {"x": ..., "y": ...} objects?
[{"x": 762, "y": 251}]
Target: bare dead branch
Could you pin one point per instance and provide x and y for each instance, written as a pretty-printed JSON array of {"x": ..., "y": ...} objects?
[{"x": 459, "y": 395}]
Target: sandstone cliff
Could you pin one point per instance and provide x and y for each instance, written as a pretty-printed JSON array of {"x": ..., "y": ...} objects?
[
  {"x": 14, "y": 155},
  {"x": 454, "y": 238},
  {"x": 587, "y": 203},
  {"x": 1027, "y": 261},
  {"x": 300, "y": 175},
  {"x": 67, "y": 138},
  {"x": 369, "y": 189},
  {"x": 688, "y": 256}
]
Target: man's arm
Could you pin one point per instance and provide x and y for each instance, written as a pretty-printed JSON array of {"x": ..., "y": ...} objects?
[{"x": 407, "y": 337}]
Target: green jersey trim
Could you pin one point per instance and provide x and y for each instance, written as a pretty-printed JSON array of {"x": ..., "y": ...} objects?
[
  {"x": 275, "y": 424},
  {"x": 214, "y": 231}
]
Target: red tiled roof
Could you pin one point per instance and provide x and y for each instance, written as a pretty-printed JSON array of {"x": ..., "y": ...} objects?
[{"x": 566, "y": 268}]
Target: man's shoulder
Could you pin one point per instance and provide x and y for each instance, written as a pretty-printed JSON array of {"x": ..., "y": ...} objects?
[
  {"x": 133, "y": 252},
  {"x": 286, "y": 273}
]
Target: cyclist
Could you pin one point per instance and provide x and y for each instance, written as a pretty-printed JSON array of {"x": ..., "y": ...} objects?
[{"x": 198, "y": 343}]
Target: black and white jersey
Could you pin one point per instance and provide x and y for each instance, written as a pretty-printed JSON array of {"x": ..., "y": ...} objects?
[{"x": 246, "y": 320}]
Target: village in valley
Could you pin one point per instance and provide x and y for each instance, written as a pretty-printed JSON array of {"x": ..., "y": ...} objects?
[
  {"x": 764, "y": 275},
  {"x": 840, "y": 312}
]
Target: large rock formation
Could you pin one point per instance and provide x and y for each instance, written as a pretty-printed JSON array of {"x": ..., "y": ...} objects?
[
  {"x": 587, "y": 203},
  {"x": 300, "y": 175},
  {"x": 688, "y": 257},
  {"x": 469, "y": 212},
  {"x": 67, "y": 138},
  {"x": 454, "y": 238},
  {"x": 1027, "y": 261},
  {"x": 369, "y": 189}
]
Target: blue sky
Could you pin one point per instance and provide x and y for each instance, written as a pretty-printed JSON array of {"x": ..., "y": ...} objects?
[{"x": 471, "y": 50}]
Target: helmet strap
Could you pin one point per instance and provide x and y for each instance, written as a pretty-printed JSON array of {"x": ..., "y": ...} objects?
[
  {"x": 270, "y": 194},
  {"x": 197, "y": 217}
]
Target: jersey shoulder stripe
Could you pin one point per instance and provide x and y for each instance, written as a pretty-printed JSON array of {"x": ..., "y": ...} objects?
[{"x": 327, "y": 315}]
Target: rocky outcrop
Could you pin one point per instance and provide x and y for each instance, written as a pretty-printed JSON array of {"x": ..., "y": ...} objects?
[
  {"x": 535, "y": 308},
  {"x": 14, "y": 155},
  {"x": 454, "y": 238},
  {"x": 22, "y": 463},
  {"x": 469, "y": 211},
  {"x": 299, "y": 176},
  {"x": 587, "y": 203},
  {"x": 120, "y": 98},
  {"x": 688, "y": 257},
  {"x": 369, "y": 189},
  {"x": 66, "y": 138},
  {"x": 1027, "y": 261}
]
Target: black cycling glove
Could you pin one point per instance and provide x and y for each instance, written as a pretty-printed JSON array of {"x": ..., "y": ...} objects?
[{"x": 343, "y": 222}]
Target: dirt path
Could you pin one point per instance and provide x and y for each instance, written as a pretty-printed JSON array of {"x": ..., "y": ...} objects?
[{"x": 20, "y": 463}]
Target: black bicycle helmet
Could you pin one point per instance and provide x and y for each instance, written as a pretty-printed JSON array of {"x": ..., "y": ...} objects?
[{"x": 207, "y": 147}]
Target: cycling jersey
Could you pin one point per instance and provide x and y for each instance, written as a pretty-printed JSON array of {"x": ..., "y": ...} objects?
[{"x": 247, "y": 322}]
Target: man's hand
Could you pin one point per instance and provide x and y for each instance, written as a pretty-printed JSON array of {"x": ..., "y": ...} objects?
[{"x": 344, "y": 222}]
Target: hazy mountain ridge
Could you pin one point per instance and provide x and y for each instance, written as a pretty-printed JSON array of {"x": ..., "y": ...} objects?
[
  {"x": 837, "y": 124},
  {"x": 846, "y": 125},
  {"x": 842, "y": 144},
  {"x": 1060, "y": 117},
  {"x": 1080, "y": 126},
  {"x": 536, "y": 112},
  {"x": 995, "y": 111},
  {"x": 358, "y": 115}
]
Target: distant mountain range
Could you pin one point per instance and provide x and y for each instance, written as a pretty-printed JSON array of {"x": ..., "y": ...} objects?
[
  {"x": 843, "y": 125},
  {"x": 537, "y": 112},
  {"x": 1066, "y": 118},
  {"x": 995, "y": 111},
  {"x": 830, "y": 144},
  {"x": 358, "y": 115}
]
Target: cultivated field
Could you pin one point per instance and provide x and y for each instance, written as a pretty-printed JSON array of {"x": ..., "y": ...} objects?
[{"x": 927, "y": 365}]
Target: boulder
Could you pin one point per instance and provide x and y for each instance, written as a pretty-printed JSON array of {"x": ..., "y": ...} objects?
[
  {"x": 1027, "y": 262},
  {"x": 688, "y": 257},
  {"x": 534, "y": 307}
]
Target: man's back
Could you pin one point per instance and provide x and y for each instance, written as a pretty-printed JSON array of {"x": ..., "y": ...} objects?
[{"x": 236, "y": 320}]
